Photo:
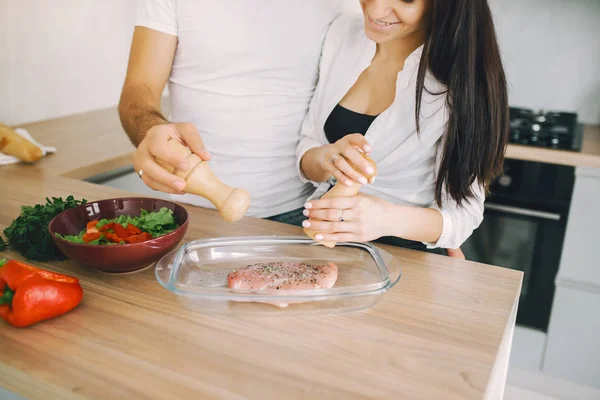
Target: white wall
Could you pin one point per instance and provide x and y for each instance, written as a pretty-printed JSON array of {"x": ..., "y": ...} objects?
[
  {"x": 60, "y": 57},
  {"x": 65, "y": 56},
  {"x": 551, "y": 50}
]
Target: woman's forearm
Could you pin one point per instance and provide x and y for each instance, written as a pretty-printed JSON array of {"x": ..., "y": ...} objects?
[
  {"x": 311, "y": 165},
  {"x": 415, "y": 223}
]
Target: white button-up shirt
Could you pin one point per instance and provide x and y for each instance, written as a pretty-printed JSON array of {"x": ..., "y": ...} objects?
[{"x": 407, "y": 162}]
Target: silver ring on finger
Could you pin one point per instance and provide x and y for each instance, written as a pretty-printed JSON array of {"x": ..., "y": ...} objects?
[
  {"x": 334, "y": 157},
  {"x": 140, "y": 173},
  {"x": 342, "y": 216}
]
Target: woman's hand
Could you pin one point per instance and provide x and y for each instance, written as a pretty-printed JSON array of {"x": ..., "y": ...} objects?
[
  {"x": 346, "y": 161},
  {"x": 360, "y": 218}
]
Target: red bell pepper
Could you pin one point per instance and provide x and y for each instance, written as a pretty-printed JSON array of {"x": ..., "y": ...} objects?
[
  {"x": 133, "y": 230},
  {"x": 142, "y": 237},
  {"x": 29, "y": 295},
  {"x": 106, "y": 227},
  {"x": 112, "y": 237},
  {"x": 88, "y": 237},
  {"x": 120, "y": 231},
  {"x": 92, "y": 224}
]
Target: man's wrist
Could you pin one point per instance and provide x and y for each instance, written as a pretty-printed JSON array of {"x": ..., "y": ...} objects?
[{"x": 148, "y": 121}]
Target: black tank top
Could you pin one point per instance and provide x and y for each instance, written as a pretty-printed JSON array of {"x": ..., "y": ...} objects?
[{"x": 342, "y": 122}]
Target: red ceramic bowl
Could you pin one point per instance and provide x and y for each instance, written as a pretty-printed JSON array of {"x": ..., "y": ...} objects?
[{"x": 122, "y": 257}]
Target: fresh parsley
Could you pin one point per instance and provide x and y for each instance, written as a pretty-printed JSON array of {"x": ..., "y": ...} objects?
[
  {"x": 28, "y": 233},
  {"x": 2, "y": 244}
]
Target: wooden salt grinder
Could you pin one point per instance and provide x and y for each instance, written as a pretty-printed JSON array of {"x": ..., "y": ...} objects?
[
  {"x": 232, "y": 203},
  {"x": 341, "y": 190}
]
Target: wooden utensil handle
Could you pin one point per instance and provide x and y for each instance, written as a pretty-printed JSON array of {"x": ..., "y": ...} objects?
[
  {"x": 232, "y": 203},
  {"x": 341, "y": 190}
]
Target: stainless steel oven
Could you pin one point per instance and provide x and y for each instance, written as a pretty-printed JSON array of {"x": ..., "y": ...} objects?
[{"x": 523, "y": 229}]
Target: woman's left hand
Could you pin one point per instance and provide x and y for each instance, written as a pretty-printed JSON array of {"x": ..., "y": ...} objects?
[{"x": 360, "y": 218}]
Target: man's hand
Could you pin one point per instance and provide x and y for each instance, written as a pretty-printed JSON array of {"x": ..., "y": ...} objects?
[
  {"x": 153, "y": 146},
  {"x": 150, "y": 63}
]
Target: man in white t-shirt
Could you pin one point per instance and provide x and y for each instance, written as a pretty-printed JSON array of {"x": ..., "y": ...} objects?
[{"x": 241, "y": 75}]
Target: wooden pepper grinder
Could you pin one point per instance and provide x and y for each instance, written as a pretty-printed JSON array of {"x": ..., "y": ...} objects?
[
  {"x": 232, "y": 203},
  {"x": 341, "y": 190}
]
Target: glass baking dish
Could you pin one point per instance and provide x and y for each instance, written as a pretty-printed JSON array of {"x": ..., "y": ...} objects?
[{"x": 197, "y": 274}]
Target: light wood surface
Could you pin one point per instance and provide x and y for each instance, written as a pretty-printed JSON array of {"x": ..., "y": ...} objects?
[
  {"x": 438, "y": 334},
  {"x": 86, "y": 144}
]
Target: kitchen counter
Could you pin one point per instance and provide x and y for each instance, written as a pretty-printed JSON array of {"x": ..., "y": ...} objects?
[
  {"x": 589, "y": 156},
  {"x": 443, "y": 332}
]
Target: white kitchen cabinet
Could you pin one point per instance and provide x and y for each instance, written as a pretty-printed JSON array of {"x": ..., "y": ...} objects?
[
  {"x": 573, "y": 350},
  {"x": 580, "y": 261},
  {"x": 528, "y": 349}
]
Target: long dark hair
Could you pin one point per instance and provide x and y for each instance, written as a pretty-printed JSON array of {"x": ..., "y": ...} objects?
[{"x": 461, "y": 51}]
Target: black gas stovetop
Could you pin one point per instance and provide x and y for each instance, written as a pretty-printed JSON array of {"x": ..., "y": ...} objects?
[{"x": 554, "y": 130}]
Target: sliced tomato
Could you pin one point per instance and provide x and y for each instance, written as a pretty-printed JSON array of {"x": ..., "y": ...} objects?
[
  {"x": 120, "y": 231},
  {"x": 88, "y": 237},
  {"x": 133, "y": 230},
  {"x": 106, "y": 227}
]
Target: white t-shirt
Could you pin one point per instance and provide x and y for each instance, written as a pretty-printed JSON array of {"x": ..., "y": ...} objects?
[{"x": 244, "y": 74}]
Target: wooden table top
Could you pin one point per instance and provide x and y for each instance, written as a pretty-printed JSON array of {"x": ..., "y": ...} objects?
[{"x": 435, "y": 335}]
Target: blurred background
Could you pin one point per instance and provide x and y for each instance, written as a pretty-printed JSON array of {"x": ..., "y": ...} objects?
[
  {"x": 66, "y": 56},
  {"x": 63, "y": 57}
]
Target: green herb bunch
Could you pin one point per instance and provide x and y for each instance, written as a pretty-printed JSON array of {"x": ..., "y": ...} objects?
[{"x": 28, "y": 234}]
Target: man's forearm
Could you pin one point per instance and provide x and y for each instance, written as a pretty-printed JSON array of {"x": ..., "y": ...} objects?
[{"x": 139, "y": 111}]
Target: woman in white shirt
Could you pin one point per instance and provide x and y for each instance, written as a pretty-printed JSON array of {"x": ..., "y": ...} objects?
[{"x": 419, "y": 86}]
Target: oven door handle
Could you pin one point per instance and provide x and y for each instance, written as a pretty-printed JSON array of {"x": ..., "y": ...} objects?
[{"x": 523, "y": 211}]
